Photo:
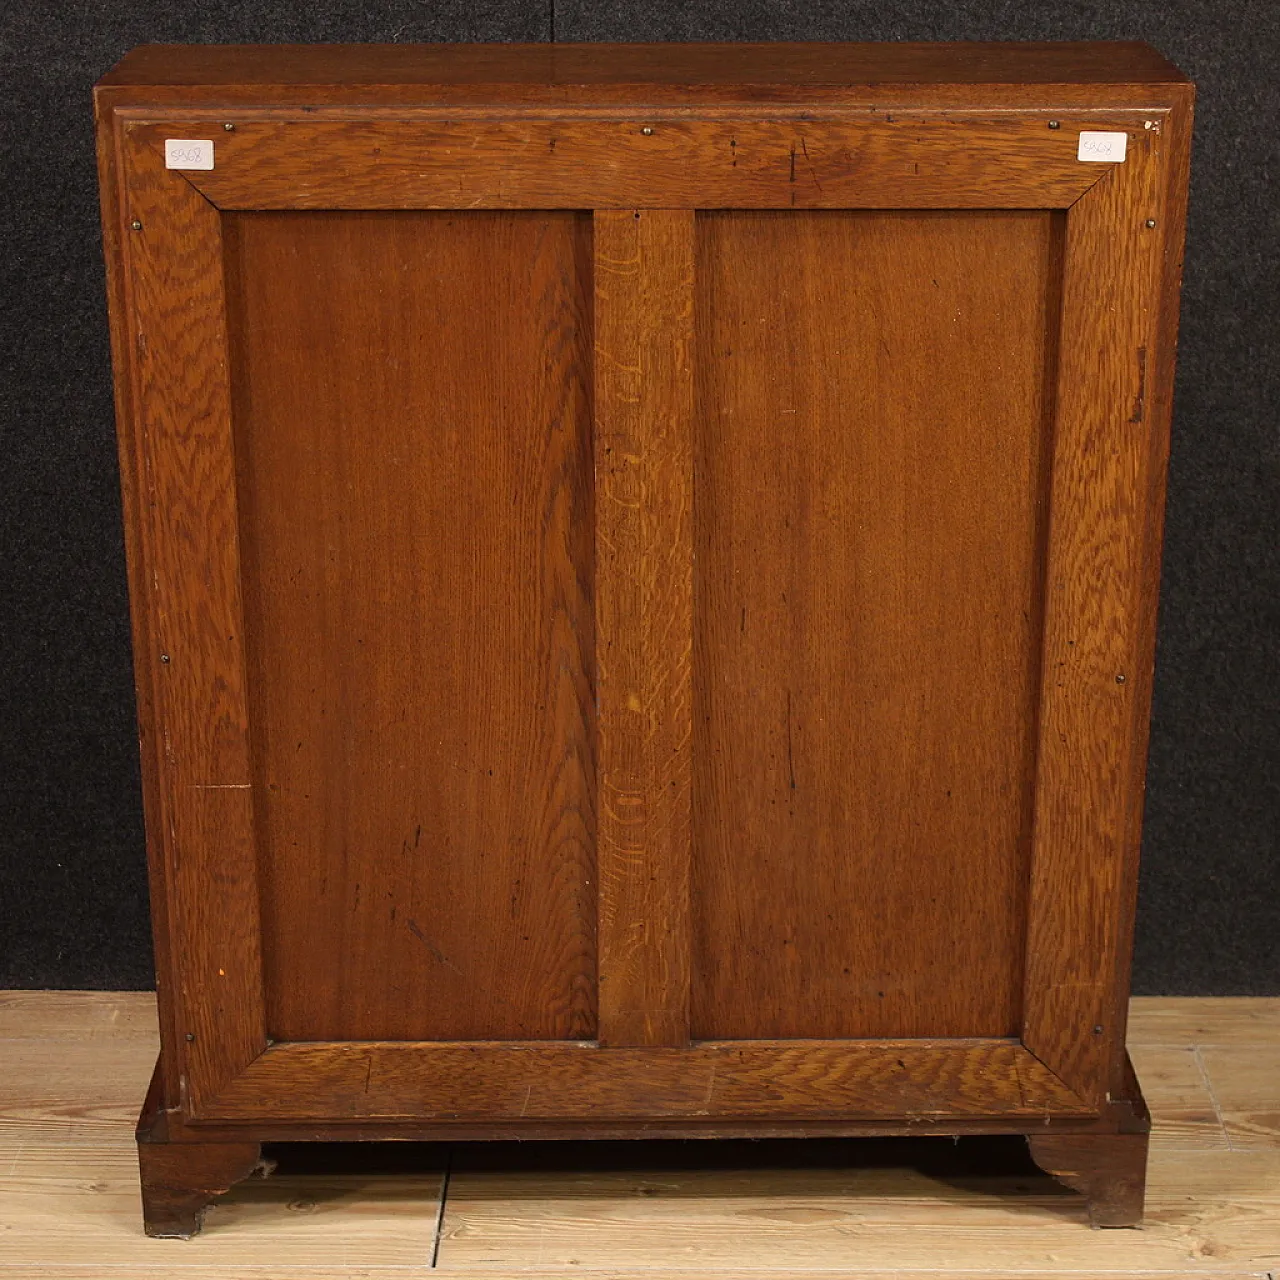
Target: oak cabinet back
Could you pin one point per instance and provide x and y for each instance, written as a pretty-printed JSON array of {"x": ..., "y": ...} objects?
[{"x": 643, "y": 568}]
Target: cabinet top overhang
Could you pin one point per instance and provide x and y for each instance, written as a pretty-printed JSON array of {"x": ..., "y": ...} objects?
[{"x": 569, "y": 75}]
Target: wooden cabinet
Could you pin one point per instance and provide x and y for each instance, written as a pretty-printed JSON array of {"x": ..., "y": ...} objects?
[{"x": 643, "y": 563}]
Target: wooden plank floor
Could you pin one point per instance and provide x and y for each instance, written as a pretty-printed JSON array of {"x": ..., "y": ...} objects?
[{"x": 74, "y": 1066}]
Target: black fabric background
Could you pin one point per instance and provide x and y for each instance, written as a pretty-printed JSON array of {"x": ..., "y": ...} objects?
[{"x": 73, "y": 904}]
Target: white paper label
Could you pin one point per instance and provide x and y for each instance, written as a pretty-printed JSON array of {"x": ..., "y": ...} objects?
[
  {"x": 197, "y": 153},
  {"x": 1102, "y": 146}
]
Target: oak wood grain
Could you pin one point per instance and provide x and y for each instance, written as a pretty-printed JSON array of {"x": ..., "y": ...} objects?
[
  {"x": 871, "y": 474},
  {"x": 412, "y": 419},
  {"x": 360, "y": 394},
  {"x": 190, "y": 570},
  {"x": 727, "y": 1079},
  {"x": 70, "y": 1196},
  {"x": 116, "y": 232},
  {"x": 892, "y": 161},
  {"x": 1098, "y": 638},
  {"x": 644, "y": 619},
  {"x": 1171, "y": 150}
]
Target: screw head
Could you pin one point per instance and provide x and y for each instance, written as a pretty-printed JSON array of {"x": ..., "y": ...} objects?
[
  {"x": 647, "y": 131},
  {"x": 136, "y": 225},
  {"x": 1055, "y": 124},
  {"x": 164, "y": 657},
  {"x": 229, "y": 127},
  {"x": 1151, "y": 222},
  {"x": 1097, "y": 1031},
  {"x": 191, "y": 1035},
  {"x": 1120, "y": 678}
]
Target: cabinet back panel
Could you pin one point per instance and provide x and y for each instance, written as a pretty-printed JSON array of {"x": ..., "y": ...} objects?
[
  {"x": 412, "y": 421},
  {"x": 865, "y": 662}
]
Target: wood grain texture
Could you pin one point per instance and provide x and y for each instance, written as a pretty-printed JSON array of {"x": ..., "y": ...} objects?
[
  {"x": 902, "y": 160},
  {"x": 189, "y": 546},
  {"x": 1177, "y": 1091},
  {"x": 644, "y": 620},
  {"x": 1099, "y": 636},
  {"x": 57, "y": 1091},
  {"x": 1171, "y": 149},
  {"x": 870, "y": 476},
  {"x": 872, "y": 729},
  {"x": 412, "y": 418},
  {"x": 1245, "y": 1088},
  {"x": 74, "y": 1210},
  {"x": 75, "y": 1015},
  {"x": 1109, "y": 1170},
  {"x": 1239, "y": 1021},
  {"x": 748, "y": 1078},
  {"x": 134, "y": 487},
  {"x": 1214, "y": 1216},
  {"x": 69, "y": 1197}
]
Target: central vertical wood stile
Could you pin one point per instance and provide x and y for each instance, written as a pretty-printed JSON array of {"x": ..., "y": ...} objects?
[{"x": 644, "y": 619}]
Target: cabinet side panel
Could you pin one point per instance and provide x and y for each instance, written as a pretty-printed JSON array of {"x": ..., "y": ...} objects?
[
  {"x": 869, "y": 494},
  {"x": 413, "y": 432}
]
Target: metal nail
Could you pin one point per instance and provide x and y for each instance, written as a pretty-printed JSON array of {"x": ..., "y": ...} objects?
[
  {"x": 1120, "y": 679},
  {"x": 136, "y": 225},
  {"x": 1055, "y": 124},
  {"x": 191, "y": 1035},
  {"x": 164, "y": 657},
  {"x": 1151, "y": 222},
  {"x": 646, "y": 131},
  {"x": 228, "y": 126}
]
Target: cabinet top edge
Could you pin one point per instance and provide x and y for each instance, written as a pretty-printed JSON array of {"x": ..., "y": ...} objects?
[{"x": 596, "y": 73}]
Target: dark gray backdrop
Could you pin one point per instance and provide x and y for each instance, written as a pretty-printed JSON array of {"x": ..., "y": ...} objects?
[{"x": 73, "y": 909}]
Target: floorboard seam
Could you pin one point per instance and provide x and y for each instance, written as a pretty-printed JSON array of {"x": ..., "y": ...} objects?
[
  {"x": 1213, "y": 1096},
  {"x": 444, "y": 1195}
]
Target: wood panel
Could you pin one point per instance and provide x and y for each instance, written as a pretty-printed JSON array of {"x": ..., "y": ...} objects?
[
  {"x": 875, "y": 160},
  {"x": 822, "y": 440},
  {"x": 1110, "y": 441},
  {"x": 1171, "y": 153},
  {"x": 764, "y": 1079},
  {"x": 116, "y": 234},
  {"x": 190, "y": 570},
  {"x": 644, "y": 609},
  {"x": 870, "y": 475},
  {"x": 412, "y": 416}
]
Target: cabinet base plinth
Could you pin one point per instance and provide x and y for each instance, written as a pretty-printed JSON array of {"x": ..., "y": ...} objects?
[
  {"x": 181, "y": 1179},
  {"x": 1109, "y": 1169}
]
